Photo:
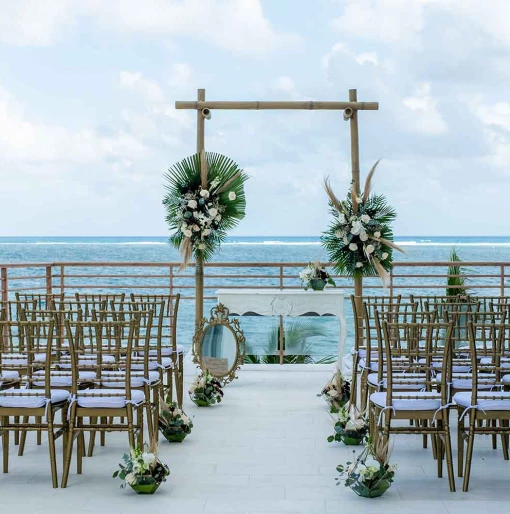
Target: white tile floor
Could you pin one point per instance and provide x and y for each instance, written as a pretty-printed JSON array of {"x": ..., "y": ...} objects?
[{"x": 263, "y": 450}]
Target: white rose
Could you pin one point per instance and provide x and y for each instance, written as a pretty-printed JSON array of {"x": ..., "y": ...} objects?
[
  {"x": 218, "y": 218},
  {"x": 201, "y": 246},
  {"x": 369, "y": 249},
  {"x": 357, "y": 227},
  {"x": 188, "y": 233},
  {"x": 206, "y": 231},
  {"x": 341, "y": 218},
  {"x": 332, "y": 393},
  {"x": 232, "y": 196},
  {"x": 192, "y": 204},
  {"x": 363, "y": 236},
  {"x": 353, "y": 247},
  {"x": 192, "y": 388},
  {"x": 359, "y": 424},
  {"x": 213, "y": 212},
  {"x": 345, "y": 240},
  {"x": 131, "y": 478},
  {"x": 384, "y": 256},
  {"x": 377, "y": 235},
  {"x": 204, "y": 193},
  {"x": 148, "y": 459},
  {"x": 184, "y": 228},
  {"x": 339, "y": 233},
  {"x": 196, "y": 228},
  {"x": 185, "y": 419},
  {"x": 359, "y": 264},
  {"x": 365, "y": 218}
]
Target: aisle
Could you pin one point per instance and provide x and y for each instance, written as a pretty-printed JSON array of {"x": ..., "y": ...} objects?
[{"x": 263, "y": 450}]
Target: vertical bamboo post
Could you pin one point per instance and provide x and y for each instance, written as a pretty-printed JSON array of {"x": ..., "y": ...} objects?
[{"x": 199, "y": 261}]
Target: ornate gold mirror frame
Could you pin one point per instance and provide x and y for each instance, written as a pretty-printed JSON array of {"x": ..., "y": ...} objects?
[{"x": 219, "y": 366}]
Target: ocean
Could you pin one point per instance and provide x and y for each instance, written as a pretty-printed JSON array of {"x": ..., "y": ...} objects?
[{"x": 244, "y": 249}]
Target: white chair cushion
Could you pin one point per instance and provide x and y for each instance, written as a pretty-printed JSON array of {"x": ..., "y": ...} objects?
[
  {"x": 166, "y": 351},
  {"x": 14, "y": 362},
  {"x": 9, "y": 376},
  {"x": 63, "y": 378},
  {"x": 487, "y": 361},
  {"x": 373, "y": 365},
  {"x": 426, "y": 401},
  {"x": 506, "y": 379},
  {"x": 137, "y": 378},
  {"x": 465, "y": 380},
  {"x": 153, "y": 365},
  {"x": 501, "y": 401},
  {"x": 400, "y": 382},
  {"x": 30, "y": 398},
  {"x": 456, "y": 368},
  {"x": 88, "y": 360},
  {"x": 92, "y": 398}
]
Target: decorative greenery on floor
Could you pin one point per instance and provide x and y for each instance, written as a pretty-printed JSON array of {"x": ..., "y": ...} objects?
[
  {"x": 369, "y": 475},
  {"x": 336, "y": 392},
  {"x": 173, "y": 422},
  {"x": 206, "y": 390},
  {"x": 351, "y": 428}
]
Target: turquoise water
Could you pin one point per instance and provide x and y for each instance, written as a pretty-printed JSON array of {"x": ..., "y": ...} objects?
[{"x": 241, "y": 249}]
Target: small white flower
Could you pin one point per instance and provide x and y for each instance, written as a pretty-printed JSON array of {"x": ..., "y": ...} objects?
[
  {"x": 196, "y": 228},
  {"x": 232, "y": 196},
  {"x": 206, "y": 231},
  {"x": 360, "y": 199},
  {"x": 192, "y": 204},
  {"x": 363, "y": 236},
  {"x": 359, "y": 264},
  {"x": 384, "y": 256},
  {"x": 196, "y": 214},
  {"x": 148, "y": 459},
  {"x": 345, "y": 240},
  {"x": 213, "y": 212},
  {"x": 192, "y": 388},
  {"x": 377, "y": 235},
  {"x": 131, "y": 478},
  {"x": 369, "y": 249},
  {"x": 201, "y": 246},
  {"x": 339, "y": 233},
  {"x": 185, "y": 419},
  {"x": 332, "y": 393},
  {"x": 218, "y": 218},
  {"x": 188, "y": 233},
  {"x": 353, "y": 247},
  {"x": 341, "y": 218},
  {"x": 357, "y": 227},
  {"x": 359, "y": 424},
  {"x": 204, "y": 193},
  {"x": 365, "y": 218}
]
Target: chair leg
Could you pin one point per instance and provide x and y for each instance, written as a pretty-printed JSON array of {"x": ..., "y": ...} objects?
[
  {"x": 80, "y": 447},
  {"x": 68, "y": 454},
  {"x": 92, "y": 437},
  {"x": 439, "y": 446},
  {"x": 425, "y": 438},
  {"x": 51, "y": 445},
  {"x": 16, "y": 432},
  {"x": 364, "y": 390},
  {"x": 494, "y": 436},
  {"x": 102, "y": 434},
  {"x": 38, "y": 420},
  {"x": 23, "y": 437},
  {"x": 469, "y": 452},
  {"x": 460, "y": 444},
  {"x": 504, "y": 438},
  {"x": 449, "y": 458},
  {"x": 5, "y": 443}
]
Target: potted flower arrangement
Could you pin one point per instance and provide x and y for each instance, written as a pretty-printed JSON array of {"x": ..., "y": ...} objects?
[
  {"x": 173, "y": 422},
  {"x": 142, "y": 469},
  {"x": 316, "y": 277},
  {"x": 205, "y": 390},
  {"x": 336, "y": 392},
  {"x": 351, "y": 427},
  {"x": 369, "y": 475}
]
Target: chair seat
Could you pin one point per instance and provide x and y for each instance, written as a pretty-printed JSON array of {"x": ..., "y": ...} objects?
[
  {"x": 487, "y": 361},
  {"x": 400, "y": 382},
  {"x": 425, "y": 401},
  {"x": 166, "y": 363},
  {"x": 88, "y": 360},
  {"x": 465, "y": 380},
  {"x": 137, "y": 379},
  {"x": 501, "y": 401},
  {"x": 166, "y": 351},
  {"x": 31, "y": 398},
  {"x": 14, "y": 362},
  {"x": 63, "y": 378},
  {"x": 99, "y": 399},
  {"x": 506, "y": 379},
  {"x": 456, "y": 368},
  {"x": 372, "y": 367}
]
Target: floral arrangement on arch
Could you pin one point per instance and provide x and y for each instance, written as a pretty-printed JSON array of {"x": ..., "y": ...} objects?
[
  {"x": 336, "y": 392},
  {"x": 205, "y": 198},
  {"x": 350, "y": 427},
  {"x": 369, "y": 475},
  {"x": 174, "y": 424},
  {"x": 360, "y": 238},
  {"x": 206, "y": 390}
]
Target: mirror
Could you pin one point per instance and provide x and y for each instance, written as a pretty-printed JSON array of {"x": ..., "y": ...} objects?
[{"x": 219, "y": 345}]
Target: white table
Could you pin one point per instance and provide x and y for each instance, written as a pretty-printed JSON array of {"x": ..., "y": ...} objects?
[{"x": 287, "y": 302}]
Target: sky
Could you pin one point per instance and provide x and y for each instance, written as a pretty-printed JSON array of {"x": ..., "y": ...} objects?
[{"x": 88, "y": 125}]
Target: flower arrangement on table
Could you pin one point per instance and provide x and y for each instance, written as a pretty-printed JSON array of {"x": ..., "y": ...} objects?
[
  {"x": 205, "y": 198},
  {"x": 336, "y": 392},
  {"x": 206, "y": 390},
  {"x": 370, "y": 474},
  {"x": 351, "y": 427},
  {"x": 142, "y": 470},
  {"x": 315, "y": 276},
  {"x": 173, "y": 422},
  {"x": 360, "y": 238}
]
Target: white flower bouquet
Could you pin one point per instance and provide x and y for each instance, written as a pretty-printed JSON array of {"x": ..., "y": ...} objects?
[
  {"x": 350, "y": 427},
  {"x": 315, "y": 276},
  {"x": 206, "y": 390},
  {"x": 336, "y": 392},
  {"x": 174, "y": 424}
]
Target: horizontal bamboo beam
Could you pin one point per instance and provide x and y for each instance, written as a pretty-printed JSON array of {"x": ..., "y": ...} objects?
[{"x": 259, "y": 106}]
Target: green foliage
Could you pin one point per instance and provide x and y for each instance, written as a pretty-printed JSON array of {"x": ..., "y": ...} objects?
[
  {"x": 455, "y": 285},
  {"x": 183, "y": 181}
]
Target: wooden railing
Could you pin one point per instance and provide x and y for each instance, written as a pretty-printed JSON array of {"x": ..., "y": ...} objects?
[{"x": 484, "y": 278}]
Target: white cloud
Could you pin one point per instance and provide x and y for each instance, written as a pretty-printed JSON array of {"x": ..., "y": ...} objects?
[
  {"x": 149, "y": 89},
  {"x": 239, "y": 26},
  {"x": 425, "y": 117}
]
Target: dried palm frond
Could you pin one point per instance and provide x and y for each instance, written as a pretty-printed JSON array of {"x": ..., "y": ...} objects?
[
  {"x": 227, "y": 184},
  {"x": 382, "y": 450},
  {"x": 368, "y": 182},
  {"x": 337, "y": 204},
  {"x": 380, "y": 270},
  {"x": 203, "y": 170},
  {"x": 186, "y": 251},
  {"x": 391, "y": 244}
]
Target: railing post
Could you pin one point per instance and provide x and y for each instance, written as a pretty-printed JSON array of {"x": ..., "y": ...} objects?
[
  {"x": 5, "y": 297},
  {"x": 49, "y": 281},
  {"x": 502, "y": 280},
  {"x": 62, "y": 288},
  {"x": 171, "y": 280},
  {"x": 391, "y": 282},
  {"x": 281, "y": 276}
]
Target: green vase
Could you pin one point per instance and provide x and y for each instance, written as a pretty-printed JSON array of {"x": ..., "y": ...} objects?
[
  {"x": 372, "y": 492},
  {"x": 174, "y": 437},
  {"x": 352, "y": 438},
  {"x": 201, "y": 403},
  {"x": 145, "y": 485},
  {"x": 317, "y": 284}
]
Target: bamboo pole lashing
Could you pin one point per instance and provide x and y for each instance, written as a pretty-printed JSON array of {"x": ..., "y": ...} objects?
[{"x": 263, "y": 105}]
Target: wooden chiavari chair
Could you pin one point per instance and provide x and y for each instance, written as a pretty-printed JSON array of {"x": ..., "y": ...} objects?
[
  {"x": 111, "y": 338},
  {"x": 409, "y": 348},
  {"x": 484, "y": 403},
  {"x": 41, "y": 403},
  {"x": 169, "y": 346}
]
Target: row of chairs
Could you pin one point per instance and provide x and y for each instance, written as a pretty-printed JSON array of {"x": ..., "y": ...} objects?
[
  {"x": 100, "y": 362},
  {"x": 432, "y": 356}
]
